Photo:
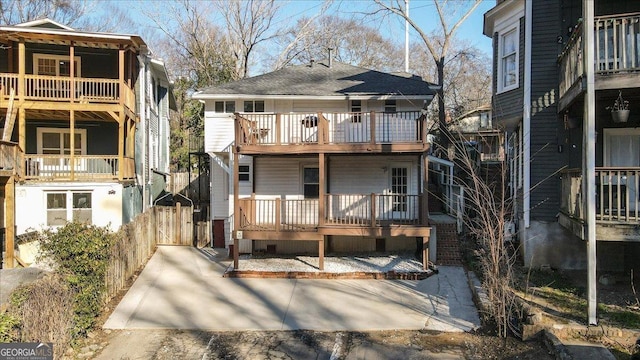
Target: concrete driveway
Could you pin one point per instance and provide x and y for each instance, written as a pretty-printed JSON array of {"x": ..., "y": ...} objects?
[{"x": 183, "y": 288}]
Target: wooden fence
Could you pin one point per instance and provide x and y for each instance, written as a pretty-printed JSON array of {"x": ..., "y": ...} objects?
[{"x": 137, "y": 241}]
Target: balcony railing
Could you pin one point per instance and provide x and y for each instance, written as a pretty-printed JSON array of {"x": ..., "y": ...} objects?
[
  {"x": 617, "y": 49},
  {"x": 340, "y": 209},
  {"x": 84, "y": 167},
  {"x": 617, "y": 197},
  {"x": 10, "y": 157},
  {"x": 58, "y": 88},
  {"x": 329, "y": 128}
]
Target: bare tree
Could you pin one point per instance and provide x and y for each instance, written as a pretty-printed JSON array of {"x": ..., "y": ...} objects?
[
  {"x": 249, "y": 23},
  {"x": 467, "y": 81},
  {"x": 451, "y": 14},
  {"x": 352, "y": 42},
  {"x": 81, "y": 14}
]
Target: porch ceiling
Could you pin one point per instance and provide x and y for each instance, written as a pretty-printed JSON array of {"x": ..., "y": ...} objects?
[{"x": 32, "y": 114}]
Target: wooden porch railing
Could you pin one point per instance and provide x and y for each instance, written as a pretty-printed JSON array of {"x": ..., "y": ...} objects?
[
  {"x": 329, "y": 128},
  {"x": 617, "y": 197},
  {"x": 340, "y": 209},
  {"x": 85, "y": 167},
  {"x": 58, "y": 88},
  {"x": 617, "y": 49},
  {"x": 10, "y": 157},
  {"x": 570, "y": 61}
]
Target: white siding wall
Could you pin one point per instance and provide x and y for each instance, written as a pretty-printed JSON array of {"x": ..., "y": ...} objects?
[
  {"x": 218, "y": 131},
  {"x": 220, "y": 192},
  {"x": 31, "y": 204}
]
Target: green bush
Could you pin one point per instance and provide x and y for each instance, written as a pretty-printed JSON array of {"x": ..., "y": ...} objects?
[
  {"x": 9, "y": 324},
  {"x": 81, "y": 254}
]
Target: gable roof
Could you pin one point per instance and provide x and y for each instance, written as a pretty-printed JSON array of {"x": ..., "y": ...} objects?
[
  {"x": 45, "y": 23},
  {"x": 47, "y": 31},
  {"x": 319, "y": 81}
]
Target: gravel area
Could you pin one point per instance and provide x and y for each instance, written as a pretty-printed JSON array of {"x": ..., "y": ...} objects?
[{"x": 333, "y": 264}]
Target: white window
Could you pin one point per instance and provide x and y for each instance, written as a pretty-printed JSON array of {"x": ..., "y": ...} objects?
[
  {"x": 244, "y": 172},
  {"x": 311, "y": 182},
  {"x": 400, "y": 188},
  {"x": 508, "y": 46},
  {"x": 356, "y": 108},
  {"x": 251, "y": 106},
  {"x": 390, "y": 106},
  {"x": 226, "y": 106},
  {"x": 55, "y": 65},
  {"x": 67, "y": 206},
  {"x": 57, "y": 141}
]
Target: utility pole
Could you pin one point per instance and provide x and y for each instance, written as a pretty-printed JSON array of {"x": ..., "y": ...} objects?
[{"x": 406, "y": 36}]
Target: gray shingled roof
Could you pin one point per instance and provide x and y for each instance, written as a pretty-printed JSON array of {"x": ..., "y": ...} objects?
[{"x": 321, "y": 80}]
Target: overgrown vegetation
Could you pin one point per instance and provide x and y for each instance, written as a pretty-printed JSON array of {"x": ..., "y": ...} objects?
[
  {"x": 9, "y": 324},
  {"x": 43, "y": 311},
  {"x": 489, "y": 210},
  {"x": 81, "y": 256}
]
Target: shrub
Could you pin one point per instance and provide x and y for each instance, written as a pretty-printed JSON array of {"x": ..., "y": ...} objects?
[
  {"x": 81, "y": 254},
  {"x": 45, "y": 310},
  {"x": 8, "y": 327}
]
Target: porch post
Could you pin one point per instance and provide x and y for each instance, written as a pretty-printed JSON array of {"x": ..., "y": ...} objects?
[
  {"x": 236, "y": 208},
  {"x": 72, "y": 114},
  {"x": 121, "y": 121},
  {"x": 589, "y": 160},
  {"x": 321, "y": 254},
  {"x": 22, "y": 126},
  {"x": 425, "y": 252},
  {"x": 321, "y": 204},
  {"x": 10, "y": 223}
]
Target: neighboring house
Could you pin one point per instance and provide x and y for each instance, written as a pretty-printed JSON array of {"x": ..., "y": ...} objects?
[
  {"x": 475, "y": 133},
  {"x": 540, "y": 97},
  {"x": 92, "y": 117},
  {"x": 324, "y": 157}
]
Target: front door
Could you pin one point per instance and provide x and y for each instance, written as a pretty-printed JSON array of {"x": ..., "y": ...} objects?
[{"x": 622, "y": 149}]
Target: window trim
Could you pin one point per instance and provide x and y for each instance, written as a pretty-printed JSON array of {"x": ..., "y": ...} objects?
[
  {"x": 249, "y": 173},
  {"x": 303, "y": 183},
  {"x": 253, "y": 106},
  {"x": 37, "y": 56},
  {"x": 390, "y": 106},
  {"x": 82, "y": 132},
  {"x": 511, "y": 28},
  {"x": 225, "y": 108},
  {"x": 68, "y": 204}
]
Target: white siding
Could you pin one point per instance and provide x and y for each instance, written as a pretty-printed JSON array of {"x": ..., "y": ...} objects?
[
  {"x": 276, "y": 177},
  {"x": 315, "y": 106},
  {"x": 218, "y": 131},
  {"x": 220, "y": 192},
  {"x": 365, "y": 175},
  {"x": 31, "y": 204}
]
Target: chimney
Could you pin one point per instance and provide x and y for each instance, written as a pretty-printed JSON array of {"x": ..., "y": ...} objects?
[
  {"x": 330, "y": 57},
  {"x": 312, "y": 61}
]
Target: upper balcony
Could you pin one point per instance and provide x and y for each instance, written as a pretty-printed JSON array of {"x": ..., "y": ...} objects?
[
  {"x": 371, "y": 132},
  {"x": 41, "y": 167},
  {"x": 60, "y": 89},
  {"x": 617, "y": 57}
]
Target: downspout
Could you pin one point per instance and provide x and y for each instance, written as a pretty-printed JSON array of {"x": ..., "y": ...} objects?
[
  {"x": 526, "y": 116},
  {"x": 589, "y": 160},
  {"x": 142, "y": 59}
]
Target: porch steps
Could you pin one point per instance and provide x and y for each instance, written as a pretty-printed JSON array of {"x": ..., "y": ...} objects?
[{"x": 447, "y": 243}]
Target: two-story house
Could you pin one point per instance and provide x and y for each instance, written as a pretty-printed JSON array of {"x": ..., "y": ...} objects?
[
  {"x": 91, "y": 116},
  {"x": 557, "y": 76},
  {"x": 320, "y": 157}
]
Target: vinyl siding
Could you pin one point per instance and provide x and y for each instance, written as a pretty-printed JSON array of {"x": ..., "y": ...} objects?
[
  {"x": 508, "y": 105},
  {"x": 218, "y": 131},
  {"x": 220, "y": 190},
  {"x": 545, "y": 126}
]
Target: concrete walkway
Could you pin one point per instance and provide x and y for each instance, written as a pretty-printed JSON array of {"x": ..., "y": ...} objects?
[{"x": 183, "y": 288}]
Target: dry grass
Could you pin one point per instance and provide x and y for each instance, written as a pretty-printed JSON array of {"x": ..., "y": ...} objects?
[{"x": 45, "y": 308}]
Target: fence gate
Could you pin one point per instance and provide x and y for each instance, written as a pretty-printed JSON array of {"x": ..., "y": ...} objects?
[{"x": 174, "y": 225}]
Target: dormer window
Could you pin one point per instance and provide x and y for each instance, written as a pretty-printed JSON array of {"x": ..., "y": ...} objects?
[{"x": 55, "y": 65}]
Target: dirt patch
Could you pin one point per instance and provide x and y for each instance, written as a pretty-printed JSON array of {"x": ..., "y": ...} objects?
[{"x": 173, "y": 344}]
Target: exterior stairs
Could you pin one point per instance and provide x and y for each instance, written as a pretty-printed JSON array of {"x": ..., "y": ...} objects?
[{"x": 447, "y": 242}]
